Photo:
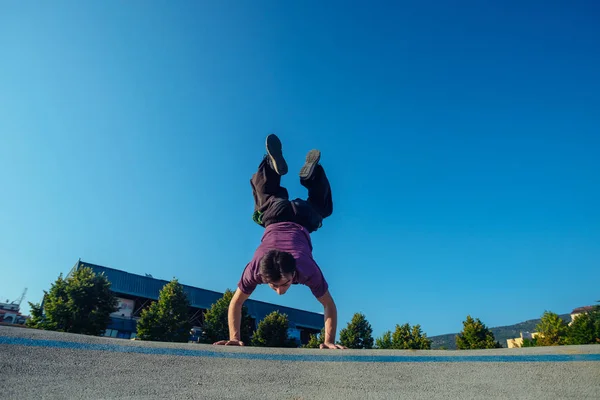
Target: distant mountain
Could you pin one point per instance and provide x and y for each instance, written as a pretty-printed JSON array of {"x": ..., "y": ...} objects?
[{"x": 501, "y": 333}]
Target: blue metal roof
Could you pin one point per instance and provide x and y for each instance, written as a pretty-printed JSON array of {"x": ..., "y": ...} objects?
[{"x": 148, "y": 287}]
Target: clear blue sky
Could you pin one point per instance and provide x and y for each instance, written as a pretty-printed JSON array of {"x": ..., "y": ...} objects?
[{"x": 462, "y": 144}]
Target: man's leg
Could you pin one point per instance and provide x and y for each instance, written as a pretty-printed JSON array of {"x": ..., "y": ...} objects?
[
  {"x": 313, "y": 177},
  {"x": 266, "y": 183}
]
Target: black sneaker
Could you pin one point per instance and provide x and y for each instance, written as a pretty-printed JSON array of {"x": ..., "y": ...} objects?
[
  {"x": 276, "y": 160},
  {"x": 312, "y": 159}
]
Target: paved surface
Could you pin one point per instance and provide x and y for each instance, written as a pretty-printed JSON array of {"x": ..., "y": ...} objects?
[{"x": 52, "y": 365}]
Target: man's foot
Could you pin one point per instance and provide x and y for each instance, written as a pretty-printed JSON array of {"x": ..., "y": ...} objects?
[
  {"x": 312, "y": 159},
  {"x": 276, "y": 160}
]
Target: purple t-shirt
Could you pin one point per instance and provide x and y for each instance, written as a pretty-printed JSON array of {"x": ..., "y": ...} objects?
[{"x": 291, "y": 238}]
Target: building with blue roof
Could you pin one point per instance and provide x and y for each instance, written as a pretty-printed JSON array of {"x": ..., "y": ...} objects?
[{"x": 137, "y": 292}]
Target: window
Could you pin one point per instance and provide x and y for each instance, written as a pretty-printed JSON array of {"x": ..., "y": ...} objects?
[{"x": 111, "y": 333}]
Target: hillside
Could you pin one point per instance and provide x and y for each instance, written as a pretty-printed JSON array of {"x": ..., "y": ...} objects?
[{"x": 501, "y": 333}]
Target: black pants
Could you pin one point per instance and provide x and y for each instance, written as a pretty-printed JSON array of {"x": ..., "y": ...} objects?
[{"x": 272, "y": 203}]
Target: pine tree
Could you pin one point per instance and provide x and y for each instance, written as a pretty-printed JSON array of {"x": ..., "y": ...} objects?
[
  {"x": 552, "y": 330},
  {"x": 475, "y": 335},
  {"x": 166, "y": 320},
  {"x": 315, "y": 341},
  {"x": 272, "y": 331},
  {"x": 82, "y": 303},
  {"x": 358, "y": 333},
  {"x": 585, "y": 328},
  {"x": 407, "y": 337},
  {"x": 385, "y": 341},
  {"x": 581, "y": 330}
]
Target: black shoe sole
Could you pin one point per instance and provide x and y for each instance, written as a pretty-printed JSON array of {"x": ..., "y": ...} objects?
[
  {"x": 312, "y": 159},
  {"x": 274, "y": 150}
]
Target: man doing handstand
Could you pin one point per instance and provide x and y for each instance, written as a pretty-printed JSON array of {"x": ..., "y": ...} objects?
[{"x": 284, "y": 257}]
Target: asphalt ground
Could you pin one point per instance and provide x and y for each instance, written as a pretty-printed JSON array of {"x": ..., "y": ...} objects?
[{"x": 51, "y": 365}]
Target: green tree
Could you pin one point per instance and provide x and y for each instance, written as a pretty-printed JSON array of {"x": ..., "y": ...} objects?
[
  {"x": 552, "y": 330},
  {"x": 216, "y": 323},
  {"x": 166, "y": 320},
  {"x": 595, "y": 316},
  {"x": 407, "y": 337},
  {"x": 82, "y": 303},
  {"x": 272, "y": 331},
  {"x": 36, "y": 319},
  {"x": 475, "y": 335},
  {"x": 529, "y": 342},
  {"x": 385, "y": 341},
  {"x": 53, "y": 314},
  {"x": 358, "y": 333},
  {"x": 585, "y": 328},
  {"x": 315, "y": 341},
  {"x": 581, "y": 330}
]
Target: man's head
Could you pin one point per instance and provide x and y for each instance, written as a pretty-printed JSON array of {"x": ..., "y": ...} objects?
[{"x": 278, "y": 269}]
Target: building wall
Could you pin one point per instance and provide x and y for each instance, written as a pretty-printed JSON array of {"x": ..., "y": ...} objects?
[
  {"x": 518, "y": 342},
  {"x": 136, "y": 292}
]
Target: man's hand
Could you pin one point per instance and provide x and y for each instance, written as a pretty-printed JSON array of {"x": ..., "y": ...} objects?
[
  {"x": 331, "y": 346},
  {"x": 228, "y": 343}
]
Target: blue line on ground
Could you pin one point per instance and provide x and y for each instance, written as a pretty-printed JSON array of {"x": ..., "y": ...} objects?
[{"x": 7, "y": 340}]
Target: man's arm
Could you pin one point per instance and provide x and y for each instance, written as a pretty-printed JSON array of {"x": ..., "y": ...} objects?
[
  {"x": 234, "y": 317},
  {"x": 330, "y": 312},
  {"x": 235, "y": 314}
]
